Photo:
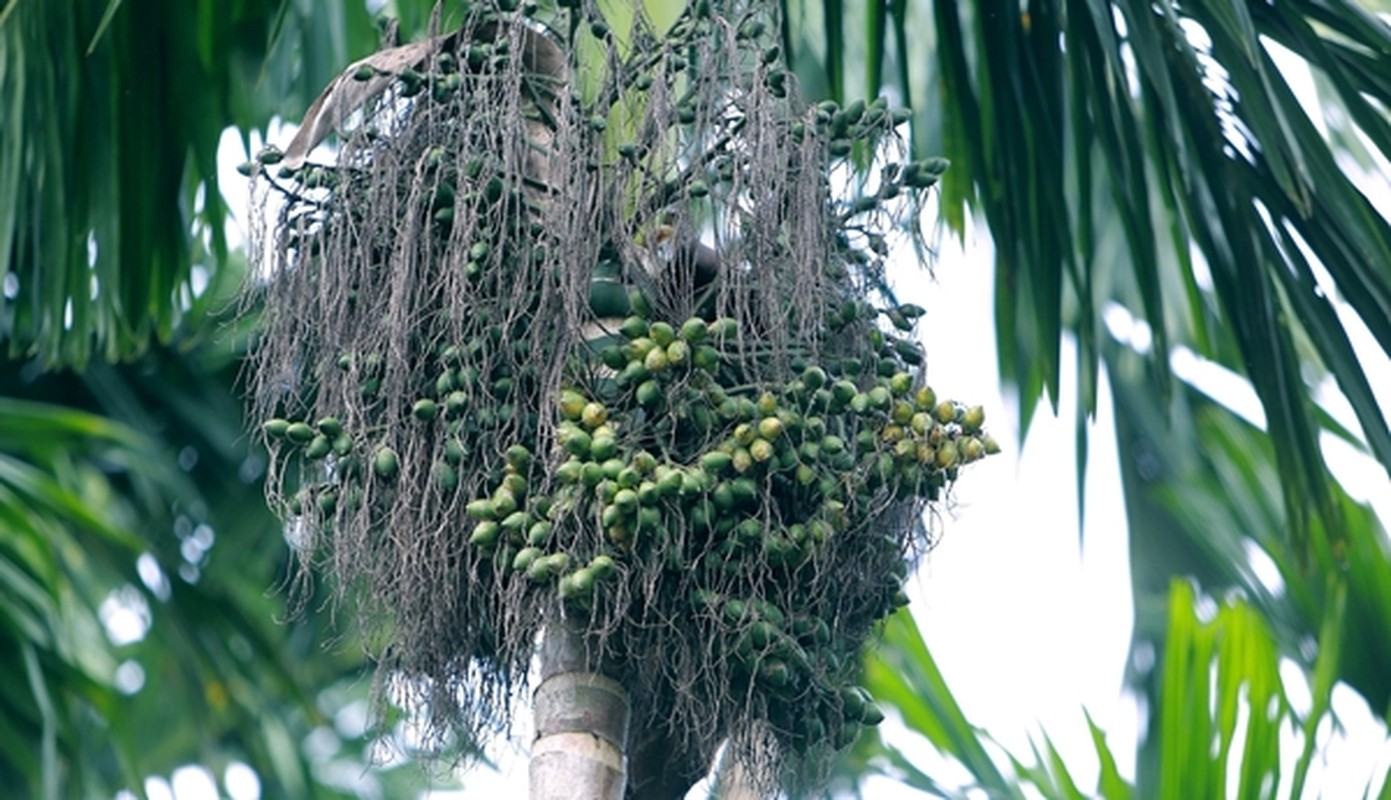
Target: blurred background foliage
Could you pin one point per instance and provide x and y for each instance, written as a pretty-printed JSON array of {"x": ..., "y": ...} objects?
[{"x": 1147, "y": 157}]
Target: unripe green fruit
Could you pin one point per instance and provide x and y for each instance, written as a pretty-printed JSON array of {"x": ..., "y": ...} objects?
[
  {"x": 539, "y": 533},
  {"x": 602, "y": 567},
  {"x": 525, "y": 558},
  {"x": 649, "y": 518},
  {"x": 626, "y": 501},
  {"x": 571, "y": 404},
  {"x": 872, "y": 715},
  {"x": 761, "y": 634},
  {"x": 581, "y": 583},
  {"x": 748, "y": 410},
  {"x": 455, "y": 404},
  {"x": 603, "y": 448},
  {"x": 386, "y": 463},
  {"x": 634, "y": 327},
  {"x": 706, "y": 358},
  {"x": 481, "y": 510},
  {"x": 424, "y": 409},
  {"x": 973, "y": 419},
  {"x": 770, "y": 428},
  {"x": 678, "y": 353},
  {"x": 557, "y": 562},
  {"x": 644, "y": 462},
  {"x": 342, "y": 445},
  {"x": 852, "y": 703},
  {"x": 539, "y": 570},
  {"x": 947, "y": 455},
  {"x": 749, "y": 532},
  {"x": 742, "y": 460},
  {"x": 744, "y": 434},
  {"x": 925, "y": 453},
  {"x": 641, "y": 305},
  {"x": 700, "y": 417},
  {"x": 734, "y": 611},
  {"x": 767, "y": 404},
  {"x": 905, "y": 449},
  {"x": 445, "y": 383},
  {"x": 694, "y": 330},
  {"x": 569, "y": 472},
  {"x": 902, "y": 413},
  {"x": 694, "y": 482},
  {"x": 919, "y": 423},
  {"x": 723, "y": 497},
  {"x": 613, "y": 357},
  {"x": 318, "y": 448},
  {"x": 638, "y": 348},
  {"x": 662, "y": 333},
  {"x": 276, "y": 428},
  {"x": 745, "y": 491},
  {"x": 299, "y": 432},
  {"x": 515, "y": 485},
  {"x": 669, "y": 484},
  {"x": 649, "y": 393},
  {"x": 724, "y": 328},
  {"x": 591, "y": 473},
  {"x": 655, "y": 360},
  {"x": 628, "y": 477},
  {"x": 698, "y": 518},
  {"x": 945, "y": 412},
  {"x": 575, "y": 440},
  {"x": 593, "y": 415},
  {"x": 504, "y": 503},
  {"x": 842, "y": 392},
  {"x": 775, "y": 673},
  {"x": 485, "y": 534},
  {"x": 515, "y": 523},
  {"x": 518, "y": 457},
  {"x": 611, "y": 516},
  {"x": 648, "y": 493},
  {"x": 717, "y": 462}
]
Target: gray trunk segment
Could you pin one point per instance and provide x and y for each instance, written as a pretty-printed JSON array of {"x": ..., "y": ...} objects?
[{"x": 581, "y": 724}]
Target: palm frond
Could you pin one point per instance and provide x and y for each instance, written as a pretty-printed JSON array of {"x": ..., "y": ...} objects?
[
  {"x": 152, "y": 510},
  {"x": 108, "y": 172},
  {"x": 1176, "y": 127}
]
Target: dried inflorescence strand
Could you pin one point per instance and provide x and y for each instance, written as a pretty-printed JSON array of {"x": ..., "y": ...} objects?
[{"x": 577, "y": 327}]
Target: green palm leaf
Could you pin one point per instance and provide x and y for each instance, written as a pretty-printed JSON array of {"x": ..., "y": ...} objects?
[
  {"x": 108, "y": 172},
  {"x": 1175, "y": 127}
]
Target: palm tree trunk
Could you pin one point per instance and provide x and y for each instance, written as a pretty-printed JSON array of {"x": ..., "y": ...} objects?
[{"x": 581, "y": 723}]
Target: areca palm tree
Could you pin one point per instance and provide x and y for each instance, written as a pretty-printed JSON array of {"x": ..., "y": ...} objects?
[{"x": 1087, "y": 134}]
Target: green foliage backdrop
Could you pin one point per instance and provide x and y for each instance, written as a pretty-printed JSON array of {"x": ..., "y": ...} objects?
[{"x": 1146, "y": 154}]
